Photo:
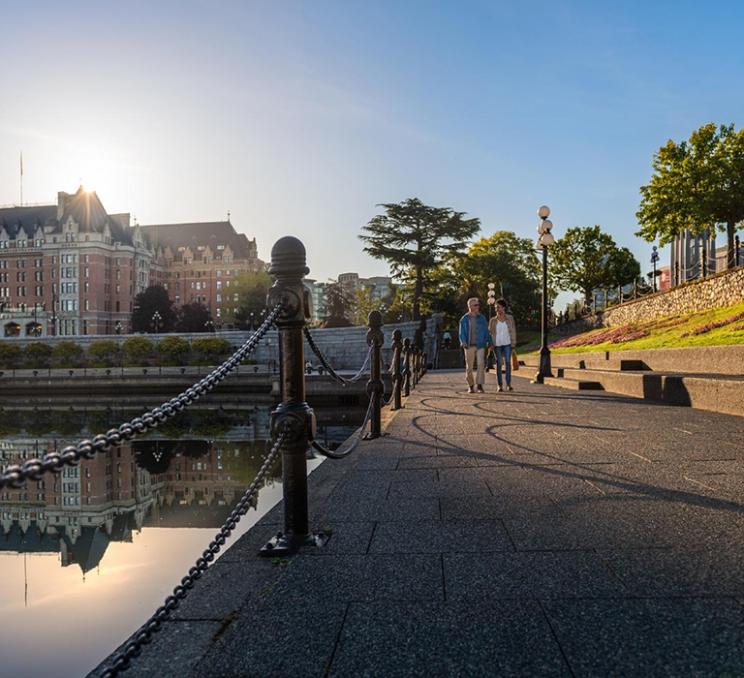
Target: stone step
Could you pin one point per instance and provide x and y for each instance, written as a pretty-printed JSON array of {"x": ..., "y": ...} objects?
[
  {"x": 588, "y": 362},
  {"x": 573, "y": 384}
]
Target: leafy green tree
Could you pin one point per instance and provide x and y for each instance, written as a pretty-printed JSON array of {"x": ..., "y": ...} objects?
[
  {"x": 103, "y": 353},
  {"x": 504, "y": 259},
  {"x": 585, "y": 259},
  {"x": 363, "y": 305},
  {"x": 137, "y": 351},
  {"x": 697, "y": 184},
  {"x": 174, "y": 351},
  {"x": 194, "y": 317},
  {"x": 414, "y": 239},
  {"x": 10, "y": 356},
  {"x": 251, "y": 289},
  {"x": 37, "y": 355},
  {"x": 67, "y": 354},
  {"x": 338, "y": 306},
  {"x": 210, "y": 350},
  {"x": 154, "y": 298}
]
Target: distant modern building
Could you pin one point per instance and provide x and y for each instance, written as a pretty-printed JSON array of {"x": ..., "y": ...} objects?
[
  {"x": 693, "y": 256},
  {"x": 73, "y": 268},
  {"x": 380, "y": 287}
]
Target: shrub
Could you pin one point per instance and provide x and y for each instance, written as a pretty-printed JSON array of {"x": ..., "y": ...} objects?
[
  {"x": 210, "y": 350},
  {"x": 174, "y": 351},
  {"x": 103, "y": 353},
  {"x": 137, "y": 351},
  {"x": 67, "y": 354},
  {"x": 10, "y": 356},
  {"x": 38, "y": 355}
]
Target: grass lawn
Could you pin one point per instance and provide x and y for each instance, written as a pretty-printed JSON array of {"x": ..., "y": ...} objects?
[{"x": 714, "y": 327}]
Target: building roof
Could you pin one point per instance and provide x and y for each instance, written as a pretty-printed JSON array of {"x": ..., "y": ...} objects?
[
  {"x": 84, "y": 207},
  {"x": 200, "y": 235}
]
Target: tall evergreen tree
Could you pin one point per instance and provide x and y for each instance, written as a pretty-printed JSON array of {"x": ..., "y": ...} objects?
[
  {"x": 154, "y": 298},
  {"x": 414, "y": 239}
]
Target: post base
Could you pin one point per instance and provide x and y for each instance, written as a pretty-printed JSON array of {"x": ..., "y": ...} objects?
[
  {"x": 372, "y": 436},
  {"x": 537, "y": 379},
  {"x": 288, "y": 544}
]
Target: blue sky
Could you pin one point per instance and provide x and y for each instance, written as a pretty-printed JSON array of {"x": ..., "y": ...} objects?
[{"x": 299, "y": 117}]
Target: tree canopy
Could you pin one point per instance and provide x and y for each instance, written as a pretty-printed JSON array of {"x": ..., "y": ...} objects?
[
  {"x": 194, "y": 317},
  {"x": 414, "y": 239},
  {"x": 154, "y": 298},
  {"x": 338, "y": 306},
  {"x": 586, "y": 259},
  {"x": 697, "y": 184},
  {"x": 246, "y": 293}
]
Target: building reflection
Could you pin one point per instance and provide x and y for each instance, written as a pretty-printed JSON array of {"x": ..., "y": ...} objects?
[{"x": 148, "y": 483}]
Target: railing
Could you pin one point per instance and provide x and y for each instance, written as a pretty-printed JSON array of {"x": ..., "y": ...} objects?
[{"x": 292, "y": 426}]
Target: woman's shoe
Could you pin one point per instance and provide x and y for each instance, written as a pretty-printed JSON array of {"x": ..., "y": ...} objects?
[
  {"x": 509, "y": 388},
  {"x": 500, "y": 389}
]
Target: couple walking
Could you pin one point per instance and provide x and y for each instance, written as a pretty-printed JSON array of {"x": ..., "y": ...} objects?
[{"x": 478, "y": 337}]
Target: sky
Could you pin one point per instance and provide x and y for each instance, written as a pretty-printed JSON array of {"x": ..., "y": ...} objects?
[{"x": 301, "y": 117}]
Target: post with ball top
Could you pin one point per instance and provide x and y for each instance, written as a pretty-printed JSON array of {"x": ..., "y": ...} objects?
[{"x": 544, "y": 241}]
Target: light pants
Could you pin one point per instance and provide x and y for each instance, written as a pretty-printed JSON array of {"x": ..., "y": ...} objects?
[
  {"x": 503, "y": 353},
  {"x": 479, "y": 356}
]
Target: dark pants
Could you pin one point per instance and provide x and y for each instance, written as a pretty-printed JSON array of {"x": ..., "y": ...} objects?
[{"x": 505, "y": 353}]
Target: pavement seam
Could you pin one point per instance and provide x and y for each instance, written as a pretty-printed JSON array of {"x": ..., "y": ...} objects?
[
  {"x": 444, "y": 578},
  {"x": 329, "y": 665},
  {"x": 371, "y": 537},
  {"x": 555, "y": 636}
]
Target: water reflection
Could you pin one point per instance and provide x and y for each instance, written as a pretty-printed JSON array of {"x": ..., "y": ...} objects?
[{"x": 111, "y": 537}]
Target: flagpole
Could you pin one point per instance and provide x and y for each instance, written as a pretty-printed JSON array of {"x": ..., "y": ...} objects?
[{"x": 21, "y": 178}]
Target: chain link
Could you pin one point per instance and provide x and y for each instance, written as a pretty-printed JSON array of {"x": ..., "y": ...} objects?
[
  {"x": 15, "y": 475},
  {"x": 359, "y": 435},
  {"x": 332, "y": 373},
  {"x": 143, "y": 636}
]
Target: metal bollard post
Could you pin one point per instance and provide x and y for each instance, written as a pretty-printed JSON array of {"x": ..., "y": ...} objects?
[
  {"x": 414, "y": 366},
  {"x": 407, "y": 363},
  {"x": 375, "y": 387},
  {"x": 397, "y": 382},
  {"x": 292, "y": 415}
]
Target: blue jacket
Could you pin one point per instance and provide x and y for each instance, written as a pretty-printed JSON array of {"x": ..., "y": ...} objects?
[{"x": 482, "y": 337}]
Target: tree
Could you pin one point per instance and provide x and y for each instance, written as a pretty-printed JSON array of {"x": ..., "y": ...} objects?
[
  {"x": 585, "y": 259},
  {"x": 363, "y": 305},
  {"x": 247, "y": 294},
  {"x": 194, "y": 317},
  {"x": 338, "y": 306},
  {"x": 506, "y": 260},
  {"x": 414, "y": 239},
  {"x": 697, "y": 184},
  {"x": 146, "y": 304}
]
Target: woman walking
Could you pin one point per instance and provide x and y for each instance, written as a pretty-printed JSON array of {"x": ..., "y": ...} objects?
[{"x": 503, "y": 330}]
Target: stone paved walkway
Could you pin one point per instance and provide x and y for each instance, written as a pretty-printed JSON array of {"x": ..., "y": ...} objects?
[{"x": 538, "y": 532}]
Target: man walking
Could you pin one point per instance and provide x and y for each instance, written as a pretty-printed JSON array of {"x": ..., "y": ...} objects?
[{"x": 475, "y": 341}]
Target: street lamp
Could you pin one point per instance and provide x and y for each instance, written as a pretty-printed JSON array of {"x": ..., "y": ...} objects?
[
  {"x": 253, "y": 326},
  {"x": 654, "y": 259},
  {"x": 118, "y": 328},
  {"x": 491, "y": 298},
  {"x": 544, "y": 241},
  {"x": 209, "y": 325},
  {"x": 156, "y": 320}
]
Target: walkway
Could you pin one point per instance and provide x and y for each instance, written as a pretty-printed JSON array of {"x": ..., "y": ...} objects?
[{"x": 537, "y": 532}]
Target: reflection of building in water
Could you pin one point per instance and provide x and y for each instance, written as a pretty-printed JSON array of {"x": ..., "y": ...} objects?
[
  {"x": 152, "y": 483},
  {"x": 77, "y": 512}
]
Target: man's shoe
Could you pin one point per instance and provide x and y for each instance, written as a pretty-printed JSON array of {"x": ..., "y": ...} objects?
[
  {"x": 500, "y": 389},
  {"x": 471, "y": 389},
  {"x": 509, "y": 388},
  {"x": 480, "y": 389}
]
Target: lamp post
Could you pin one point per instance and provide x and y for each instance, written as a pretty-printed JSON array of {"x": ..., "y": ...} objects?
[
  {"x": 491, "y": 299},
  {"x": 544, "y": 241},
  {"x": 118, "y": 327},
  {"x": 654, "y": 259},
  {"x": 251, "y": 316},
  {"x": 156, "y": 320},
  {"x": 209, "y": 325}
]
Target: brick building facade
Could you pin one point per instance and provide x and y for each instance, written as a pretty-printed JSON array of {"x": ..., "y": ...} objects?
[{"x": 72, "y": 268}]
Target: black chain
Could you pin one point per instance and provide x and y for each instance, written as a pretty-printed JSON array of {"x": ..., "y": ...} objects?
[
  {"x": 143, "y": 636},
  {"x": 336, "y": 377},
  {"x": 338, "y": 454},
  {"x": 15, "y": 475}
]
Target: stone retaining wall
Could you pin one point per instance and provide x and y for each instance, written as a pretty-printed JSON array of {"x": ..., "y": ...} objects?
[{"x": 722, "y": 289}]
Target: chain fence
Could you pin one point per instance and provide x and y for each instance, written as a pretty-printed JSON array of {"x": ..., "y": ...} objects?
[
  {"x": 15, "y": 475},
  {"x": 122, "y": 660},
  {"x": 332, "y": 373}
]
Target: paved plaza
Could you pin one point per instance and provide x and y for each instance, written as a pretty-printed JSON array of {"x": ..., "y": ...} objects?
[{"x": 539, "y": 532}]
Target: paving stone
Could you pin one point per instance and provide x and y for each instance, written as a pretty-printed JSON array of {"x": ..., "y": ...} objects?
[
  {"x": 392, "y": 508},
  {"x": 650, "y": 637},
  {"x": 522, "y": 575},
  {"x": 437, "y": 536},
  {"x": 504, "y": 638},
  {"x": 491, "y": 507},
  {"x": 442, "y": 488},
  {"x": 676, "y": 572}
]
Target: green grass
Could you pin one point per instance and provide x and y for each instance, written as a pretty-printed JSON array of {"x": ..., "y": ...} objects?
[{"x": 670, "y": 332}]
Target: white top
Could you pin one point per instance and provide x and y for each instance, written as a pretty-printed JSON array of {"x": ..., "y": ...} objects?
[{"x": 502, "y": 337}]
